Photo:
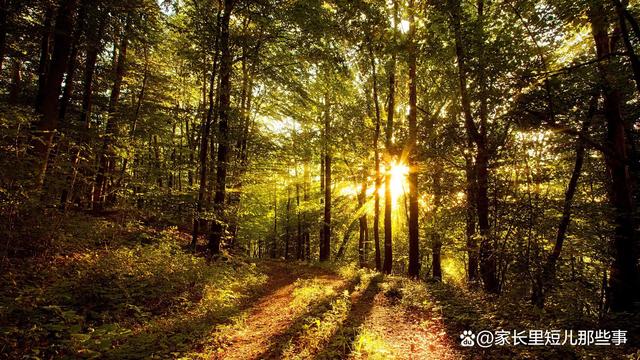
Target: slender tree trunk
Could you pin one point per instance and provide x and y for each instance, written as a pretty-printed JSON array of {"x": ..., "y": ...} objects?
[
  {"x": 204, "y": 142},
  {"x": 633, "y": 58},
  {"x": 388, "y": 234},
  {"x": 414, "y": 242},
  {"x": 325, "y": 244},
  {"x": 45, "y": 54},
  {"x": 544, "y": 283},
  {"x": 226, "y": 67},
  {"x": 470, "y": 220},
  {"x": 241, "y": 145},
  {"x": 274, "y": 243},
  {"x": 436, "y": 236},
  {"x": 73, "y": 62},
  {"x": 3, "y": 31},
  {"x": 363, "y": 231},
  {"x": 487, "y": 257},
  {"x": 48, "y": 123},
  {"x": 376, "y": 154},
  {"x": 287, "y": 229},
  {"x": 472, "y": 246},
  {"x": 299, "y": 236},
  {"x": 107, "y": 160},
  {"x": 93, "y": 48},
  {"x": 16, "y": 81},
  {"x": 623, "y": 283},
  {"x": 136, "y": 114},
  {"x": 306, "y": 236}
]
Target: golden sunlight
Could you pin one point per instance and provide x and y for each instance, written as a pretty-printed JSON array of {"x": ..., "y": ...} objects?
[{"x": 399, "y": 172}]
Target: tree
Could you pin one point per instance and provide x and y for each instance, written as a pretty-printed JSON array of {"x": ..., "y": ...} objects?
[{"x": 226, "y": 68}]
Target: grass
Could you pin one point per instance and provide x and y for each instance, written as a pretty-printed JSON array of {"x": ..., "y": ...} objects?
[{"x": 120, "y": 292}]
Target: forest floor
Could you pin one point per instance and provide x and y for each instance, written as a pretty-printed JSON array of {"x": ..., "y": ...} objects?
[
  {"x": 117, "y": 288},
  {"x": 371, "y": 325}
]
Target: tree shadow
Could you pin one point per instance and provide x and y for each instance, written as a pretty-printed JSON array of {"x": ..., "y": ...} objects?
[
  {"x": 183, "y": 332},
  {"x": 280, "y": 341},
  {"x": 340, "y": 345}
]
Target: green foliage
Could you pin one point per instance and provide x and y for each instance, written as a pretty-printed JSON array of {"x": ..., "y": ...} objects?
[{"x": 123, "y": 301}]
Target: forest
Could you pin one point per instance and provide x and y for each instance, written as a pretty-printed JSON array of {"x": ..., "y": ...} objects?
[{"x": 319, "y": 179}]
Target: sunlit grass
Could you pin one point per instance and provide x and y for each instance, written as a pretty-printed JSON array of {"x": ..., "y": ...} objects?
[{"x": 369, "y": 344}]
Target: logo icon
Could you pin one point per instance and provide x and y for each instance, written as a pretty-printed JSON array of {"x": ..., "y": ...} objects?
[{"x": 468, "y": 338}]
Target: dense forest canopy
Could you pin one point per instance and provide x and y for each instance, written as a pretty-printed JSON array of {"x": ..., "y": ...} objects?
[{"x": 490, "y": 145}]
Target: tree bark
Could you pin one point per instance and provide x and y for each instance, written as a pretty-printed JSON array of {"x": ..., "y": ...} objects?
[
  {"x": 470, "y": 220},
  {"x": 544, "y": 283},
  {"x": 633, "y": 58},
  {"x": 376, "y": 154},
  {"x": 363, "y": 234},
  {"x": 16, "y": 81},
  {"x": 204, "y": 142},
  {"x": 106, "y": 164},
  {"x": 623, "y": 283},
  {"x": 436, "y": 237},
  {"x": 45, "y": 54},
  {"x": 73, "y": 62},
  {"x": 487, "y": 257},
  {"x": 93, "y": 48},
  {"x": 414, "y": 242},
  {"x": 226, "y": 67},
  {"x": 3, "y": 30},
  {"x": 48, "y": 123},
  {"x": 388, "y": 235},
  {"x": 325, "y": 244}
]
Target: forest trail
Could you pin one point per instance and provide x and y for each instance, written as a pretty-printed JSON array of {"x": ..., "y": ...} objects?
[{"x": 312, "y": 313}]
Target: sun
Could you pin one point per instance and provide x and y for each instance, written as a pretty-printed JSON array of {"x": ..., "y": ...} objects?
[{"x": 398, "y": 172}]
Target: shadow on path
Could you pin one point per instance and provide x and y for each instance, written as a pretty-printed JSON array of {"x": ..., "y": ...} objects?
[
  {"x": 280, "y": 342},
  {"x": 340, "y": 345}
]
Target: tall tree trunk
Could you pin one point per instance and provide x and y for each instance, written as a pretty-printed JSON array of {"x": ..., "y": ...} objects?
[
  {"x": 299, "y": 236},
  {"x": 487, "y": 256},
  {"x": 45, "y": 53},
  {"x": 363, "y": 237},
  {"x": 226, "y": 67},
  {"x": 543, "y": 283},
  {"x": 470, "y": 219},
  {"x": 388, "y": 234},
  {"x": 325, "y": 244},
  {"x": 93, "y": 48},
  {"x": 623, "y": 283},
  {"x": 3, "y": 30},
  {"x": 470, "y": 189},
  {"x": 48, "y": 123},
  {"x": 136, "y": 115},
  {"x": 16, "y": 81},
  {"x": 274, "y": 243},
  {"x": 73, "y": 62},
  {"x": 306, "y": 235},
  {"x": 414, "y": 242},
  {"x": 436, "y": 237},
  {"x": 241, "y": 145},
  {"x": 106, "y": 164},
  {"x": 633, "y": 58},
  {"x": 287, "y": 229},
  {"x": 376, "y": 154},
  {"x": 204, "y": 143}
]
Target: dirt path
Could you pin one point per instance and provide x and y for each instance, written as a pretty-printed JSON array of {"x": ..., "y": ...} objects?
[
  {"x": 406, "y": 334},
  {"x": 272, "y": 315},
  {"x": 373, "y": 327}
]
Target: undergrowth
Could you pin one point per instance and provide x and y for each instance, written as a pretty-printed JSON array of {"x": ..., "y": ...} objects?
[{"x": 124, "y": 292}]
